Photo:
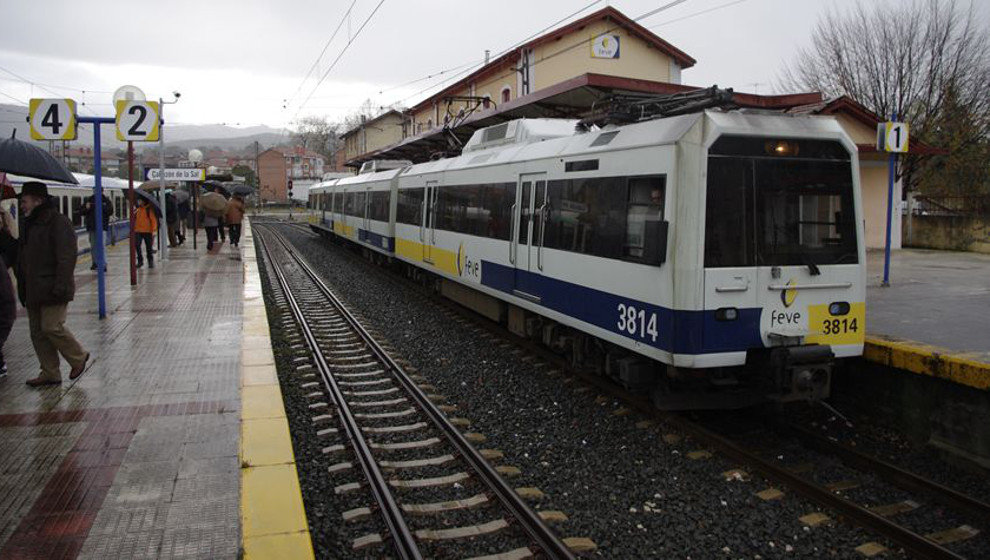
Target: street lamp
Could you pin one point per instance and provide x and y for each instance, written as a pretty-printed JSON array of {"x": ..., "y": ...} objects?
[
  {"x": 195, "y": 157},
  {"x": 163, "y": 247}
]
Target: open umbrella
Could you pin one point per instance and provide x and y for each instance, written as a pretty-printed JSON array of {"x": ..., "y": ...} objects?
[
  {"x": 213, "y": 204},
  {"x": 155, "y": 185},
  {"x": 180, "y": 196},
  {"x": 23, "y": 158},
  {"x": 6, "y": 189},
  {"x": 214, "y": 186},
  {"x": 152, "y": 198},
  {"x": 242, "y": 189}
]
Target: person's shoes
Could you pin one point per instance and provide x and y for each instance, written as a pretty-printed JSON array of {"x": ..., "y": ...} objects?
[
  {"x": 139, "y": 264},
  {"x": 151, "y": 264},
  {"x": 92, "y": 267},
  {"x": 41, "y": 382},
  {"x": 78, "y": 370}
]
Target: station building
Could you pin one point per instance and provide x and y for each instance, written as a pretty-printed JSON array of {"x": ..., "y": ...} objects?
[{"x": 562, "y": 73}]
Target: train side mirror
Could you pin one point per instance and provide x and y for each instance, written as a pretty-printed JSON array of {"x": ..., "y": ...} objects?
[{"x": 655, "y": 249}]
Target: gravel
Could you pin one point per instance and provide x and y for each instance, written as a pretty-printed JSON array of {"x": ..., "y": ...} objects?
[{"x": 633, "y": 492}]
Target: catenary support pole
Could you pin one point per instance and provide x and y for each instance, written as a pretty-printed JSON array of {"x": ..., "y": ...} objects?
[
  {"x": 162, "y": 227},
  {"x": 130, "y": 210}
]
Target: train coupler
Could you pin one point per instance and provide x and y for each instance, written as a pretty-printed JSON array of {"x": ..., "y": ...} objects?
[{"x": 802, "y": 372}]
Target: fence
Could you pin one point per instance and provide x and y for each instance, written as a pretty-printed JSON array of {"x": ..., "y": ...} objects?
[{"x": 957, "y": 223}]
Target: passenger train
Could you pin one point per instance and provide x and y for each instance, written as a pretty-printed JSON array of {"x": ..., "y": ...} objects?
[{"x": 715, "y": 258}]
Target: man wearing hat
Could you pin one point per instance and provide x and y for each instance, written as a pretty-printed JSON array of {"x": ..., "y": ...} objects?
[{"x": 46, "y": 263}]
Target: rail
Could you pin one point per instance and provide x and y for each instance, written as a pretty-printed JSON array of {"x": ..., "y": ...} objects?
[{"x": 528, "y": 520}]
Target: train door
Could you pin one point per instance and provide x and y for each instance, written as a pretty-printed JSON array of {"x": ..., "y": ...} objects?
[
  {"x": 528, "y": 219},
  {"x": 428, "y": 230},
  {"x": 366, "y": 222}
]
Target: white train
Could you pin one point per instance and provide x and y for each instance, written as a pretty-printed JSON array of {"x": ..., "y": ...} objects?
[
  {"x": 715, "y": 257},
  {"x": 69, "y": 201}
]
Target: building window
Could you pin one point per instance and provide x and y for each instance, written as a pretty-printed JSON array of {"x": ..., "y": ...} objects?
[
  {"x": 506, "y": 94},
  {"x": 487, "y": 102}
]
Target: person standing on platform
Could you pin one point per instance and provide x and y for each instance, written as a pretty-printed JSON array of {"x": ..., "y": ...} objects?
[
  {"x": 46, "y": 262},
  {"x": 8, "y": 298},
  {"x": 145, "y": 226},
  {"x": 172, "y": 219},
  {"x": 235, "y": 215},
  {"x": 212, "y": 226},
  {"x": 89, "y": 218},
  {"x": 185, "y": 210}
]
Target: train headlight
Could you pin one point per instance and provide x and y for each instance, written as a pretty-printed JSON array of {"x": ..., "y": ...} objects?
[
  {"x": 839, "y": 308},
  {"x": 781, "y": 148},
  {"x": 726, "y": 314}
]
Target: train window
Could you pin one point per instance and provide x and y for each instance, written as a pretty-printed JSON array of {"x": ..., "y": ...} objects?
[
  {"x": 581, "y": 165},
  {"x": 76, "y": 216},
  {"x": 360, "y": 200},
  {"x": 378, "y": 209},
  {"x": 410, "y": 207},
  {"x": 643, "y": 213},
  {"x": 588, "y": 216},
  {"x": 482, "y": 210},
  {"x": 728, "y": 231},
  {"x": 65, "y": 206},
  {"x": 775, "y": 210}
]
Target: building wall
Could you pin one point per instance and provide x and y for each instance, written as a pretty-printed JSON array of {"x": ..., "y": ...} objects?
[
  {"x": 570, "y": 56},
  {"x": 272, "y": 176},
  {"x": 873, "y": 182}
]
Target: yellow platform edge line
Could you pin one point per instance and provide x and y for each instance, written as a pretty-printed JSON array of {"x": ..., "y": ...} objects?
[
  {"x": 925, "y": 359},
  {"x": 273, "y": 518}
]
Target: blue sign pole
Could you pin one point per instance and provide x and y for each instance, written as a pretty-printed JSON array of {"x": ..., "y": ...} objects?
[
  {"x": 99, "y": 258},
  {"x": 891, "y": 169}
]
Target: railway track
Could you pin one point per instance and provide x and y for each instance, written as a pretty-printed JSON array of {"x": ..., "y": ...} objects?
[
  {"x": 387, "y": 435},
  {"x": 880, "y": 520}
]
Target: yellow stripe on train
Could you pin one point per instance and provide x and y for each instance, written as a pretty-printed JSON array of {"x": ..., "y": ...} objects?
[{"x": 441, "y": 259}]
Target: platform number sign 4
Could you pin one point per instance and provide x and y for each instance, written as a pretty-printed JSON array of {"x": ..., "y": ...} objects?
[
  {"x": 52, "y": 119},
  {"x": 137, "y": 121}
]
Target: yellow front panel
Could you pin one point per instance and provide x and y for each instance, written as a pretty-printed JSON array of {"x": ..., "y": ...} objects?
[
  {"x": 824, "y": 328},
  {"x": 442, "y": 259}
]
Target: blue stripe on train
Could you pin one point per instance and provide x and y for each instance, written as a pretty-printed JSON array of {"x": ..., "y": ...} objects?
[
  {"x": 384, "y": 242},
  {"x": 679, "y": 331}
]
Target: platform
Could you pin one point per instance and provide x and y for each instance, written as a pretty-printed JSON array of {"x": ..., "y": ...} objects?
[
  {"x": 140, "y": 456},
  {"x": 933, "y": 319}
]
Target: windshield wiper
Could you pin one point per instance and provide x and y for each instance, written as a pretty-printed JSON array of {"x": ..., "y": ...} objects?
[{"x": 812, "y": 267}]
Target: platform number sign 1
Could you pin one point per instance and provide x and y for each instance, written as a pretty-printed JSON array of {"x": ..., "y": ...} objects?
[
  {"x": 52, "y": 119},
  {"x": 137, "y": 121},
  {"x": 892, "y": 137}
]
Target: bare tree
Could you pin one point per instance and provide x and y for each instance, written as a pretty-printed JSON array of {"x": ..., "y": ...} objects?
[
  {"x": 318, "y": 134},
  {"x": 923, "y": 60}
]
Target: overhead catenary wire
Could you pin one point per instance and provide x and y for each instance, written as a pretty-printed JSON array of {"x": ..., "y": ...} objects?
[
  {"x": 319, "y": 57},
  {"x": 7, "y": 95},
  {"x": 350, "y": 41},
  {"x": 33, "y": 83},
  {"x": 501, "y": 53},
  {"x": 702, "y": 12}
]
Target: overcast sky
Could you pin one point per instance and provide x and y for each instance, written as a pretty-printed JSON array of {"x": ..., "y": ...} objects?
[{"x": 235, "y": 61}]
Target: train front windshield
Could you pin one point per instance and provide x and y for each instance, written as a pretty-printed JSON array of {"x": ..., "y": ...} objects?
[{"x": 777, "y": 202}]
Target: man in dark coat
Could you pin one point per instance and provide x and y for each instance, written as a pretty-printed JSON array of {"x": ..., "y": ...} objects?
[
  {"x": 89, "y": 218},
  {"x": 46, "y": 262}
]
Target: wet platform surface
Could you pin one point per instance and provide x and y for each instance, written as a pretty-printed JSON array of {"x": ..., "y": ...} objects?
[
  {"x": 939, "y": 298},
  {"x": 137, "y": 458}
]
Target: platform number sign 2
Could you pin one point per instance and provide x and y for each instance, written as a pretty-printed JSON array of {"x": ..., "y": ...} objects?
[
  {"x": 137, "y": 121},
  {"x": 52, "y": 119}
]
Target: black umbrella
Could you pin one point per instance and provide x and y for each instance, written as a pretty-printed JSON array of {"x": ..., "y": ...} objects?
[
  {"x": 150, "y": 197},
  {"x": 242, "y": 190},
  {"x": 213, "y": 186},
  {"x": 23, "y": 158}
]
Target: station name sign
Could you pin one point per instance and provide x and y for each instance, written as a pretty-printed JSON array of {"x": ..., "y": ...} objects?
[{"x": 177, "y": 174}]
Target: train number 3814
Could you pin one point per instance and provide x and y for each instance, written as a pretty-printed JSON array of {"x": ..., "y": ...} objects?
[{"x": 637, "y": 322}]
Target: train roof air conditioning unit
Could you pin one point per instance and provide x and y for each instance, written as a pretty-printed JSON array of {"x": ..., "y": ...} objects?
[{"x": 519, "y": 131}]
